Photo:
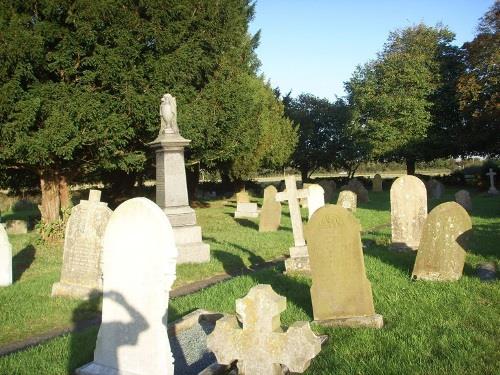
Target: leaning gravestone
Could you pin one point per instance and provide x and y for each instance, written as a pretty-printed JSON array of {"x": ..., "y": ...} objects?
[
  {"x": 435, "y": 189},
  {"x": 315, "y": 198},
  {"x": 348, "y": 200},
  {"x": 81, "y": 275},
  {"x": 357, "y": 187},
  {"x": 5, "y": 258},
  {"x": 139, "y": 270},
  {"x": 408, "y": 212},
  {"x": 441, "y": 254},
  {"x": 462, "y": 197},
  {"x": 341, "y": 294},
  {"x": 270, "y": 214},
  {"x": 377, "y": 183},
  {"x": 329, "y": 187},
  {"x": 299, "y": 258},
  {"x": 261, "y": 346}
]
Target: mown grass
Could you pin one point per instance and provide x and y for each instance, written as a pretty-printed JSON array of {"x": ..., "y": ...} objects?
[{"x": 430, "y": 327}]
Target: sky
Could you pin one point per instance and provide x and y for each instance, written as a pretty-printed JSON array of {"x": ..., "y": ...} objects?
[{"x": 314, "y": 46}]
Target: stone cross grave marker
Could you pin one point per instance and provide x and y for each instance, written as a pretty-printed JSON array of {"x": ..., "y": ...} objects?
[
  {"x": 81, "y": 275},
  {"x": 492, "y": 189},
  {"x": 377, "y": 183},
  {"x": 408, "y": 212},
  {"x": 261, "y": 346},
  {"x": 462, "y": 197},
  {"x": 5, "y": 258},
  {"x": 441, "y": 254},
  {"x": 299, "y": 258},
  {"x": 315, "y": 199},
  {"x": 139, "y": 270},
  {"x": 341, "y": 294},
  {"x": 270, "y": 215},
  {"x": 347, "y": 199}
]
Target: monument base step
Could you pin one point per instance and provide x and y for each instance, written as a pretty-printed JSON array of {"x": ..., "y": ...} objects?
[
  {"x": 194, "y": 252},
  {"x": 370, "y": 321},
  {"x": 60, "y": 289},
  {"x": 179, "y": 216},
  {"x": 93, "y": 368},
  {"x": 297, "y": 264}
]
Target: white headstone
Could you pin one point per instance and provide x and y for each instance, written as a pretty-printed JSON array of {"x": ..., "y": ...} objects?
[
  {"x": 5, "y": 259},
  {"x": 315, "y": 199},
  {"x": 246, "y": 210},
  {"x": 492, "y": 189},
  {"x": 139, "y": 270}
]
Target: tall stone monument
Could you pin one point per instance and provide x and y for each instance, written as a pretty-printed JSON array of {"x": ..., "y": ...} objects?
[
  {"x": 441, "y": 254},
  {"x": 315, "y": 198},
  {"x": 299, "y": 258},
  {"x": 408, "y": 212},
  {"x": 270, "y": 216},
  {"x": 261, "y": 346},
  {"x": 139, "y": 270},
  {"x": 5, "y": 258},
  {"x": 81, "y": 275},
  {"x": 171, "y": 186},
  {"x": 341, "y": 294},
  {"x": 491, "y": 175}
]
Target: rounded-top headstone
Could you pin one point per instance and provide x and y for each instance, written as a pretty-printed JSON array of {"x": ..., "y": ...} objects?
[
  {"x": 377, "y": 183},
  {"x": 408, "y": 211},
  {"x": 462, "y": 197},
  {"x": 5, "y": 258},
  {"x": 441, "y": 254},
  {"x": 315, "y": 198},
  {"x": 270, "y": 215},
  {"x": 348, "y": 199}
]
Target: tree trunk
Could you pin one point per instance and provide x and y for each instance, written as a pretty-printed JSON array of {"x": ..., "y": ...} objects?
[
  {"x": 64, "y": 193},
  {"x": 50, "y": 207},
  {"x": 303, "y": 175},
  {"x": 410, "y": 166}
]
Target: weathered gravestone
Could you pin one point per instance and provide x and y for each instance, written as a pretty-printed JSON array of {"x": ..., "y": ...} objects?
[
  {"x": 299, "y": 258},
  {"x": 491, "y": 175},
  {"x": 435, "y": 189},
  {"x": 315, "y": 198},
  {"x": 261, "y": 346},
  {"x": 341, "y": 294},
  {"x": 441, "y": 254},
  {"x": 357, "y": 187},
  {"x": 139, "y": 270},
  {"x": 348, "y": 200},
  {"x": 242, "y": 197},
  {"x": 329, "y": 187},
  {"x": 16, "y": 226},
  {"x": 5, "y": 258},
  {"x": 377, "y": 183},
  {"x": 171, "y": 186},
  {"x": 270, "y": 215},
  {"x": 408, "y": 212},
  {"x": 81, "y": 275},
  {"x": 462, "y": 197},
  {"x": 246, "y": 210}
]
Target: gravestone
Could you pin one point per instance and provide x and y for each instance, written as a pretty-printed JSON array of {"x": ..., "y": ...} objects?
[
  {"x": 246, "y": 210},
  {"x": 270, "y": 215},
  {"x": 435, "y": 189},
  {"x": 139, "y": 270},
  {"x": 5, "y": 258},
  {"x": 299, "y": 259},
  {"x": 441, "y": 254},
  {"x": 408, "y": 212},
  {"x": 348, "y": 200},
  {"x": 329, "y": 187},
  {"x": 16, "y": 226},
  {"x": 357, "y": 187},
  {"x": 341, "y": 294},
  {"x": 377, "y": 183},
  {"x": 261, "y": 346},
  {"x": 242, "y": 197},
  {"x": 491, "y": 175},
  {"x": 462, "y": 197},
  {"x": 315, "y": 198},
  {"x": 81, "y": 275},
  {"x": 171, "y": 186},
  {"x": 303, "y": 201}
]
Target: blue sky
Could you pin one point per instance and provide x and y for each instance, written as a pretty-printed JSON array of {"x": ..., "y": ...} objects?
[{"x": 314, "y": 45}]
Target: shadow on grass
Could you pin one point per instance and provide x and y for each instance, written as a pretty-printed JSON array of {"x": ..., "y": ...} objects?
[
  {"x": 402, "y": 261},
  {"x": 22, "y": 261},
  {"x": 247, "y": 223}
]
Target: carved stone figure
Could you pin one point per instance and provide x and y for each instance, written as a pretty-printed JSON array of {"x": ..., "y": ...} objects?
[{"x": 168, "y": 114}]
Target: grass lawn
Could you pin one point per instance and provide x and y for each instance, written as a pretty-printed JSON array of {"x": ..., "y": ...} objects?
[{"x": 430, "y": 327}]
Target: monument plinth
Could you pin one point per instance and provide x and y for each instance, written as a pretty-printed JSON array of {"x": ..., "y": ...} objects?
[{"x": 171, "y": 186}]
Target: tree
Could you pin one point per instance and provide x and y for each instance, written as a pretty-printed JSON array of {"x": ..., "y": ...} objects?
[
  {"x": 81, "y": 83},
  {"x": 398, "y": 98},
  {"x": 479, "y": 87}
]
